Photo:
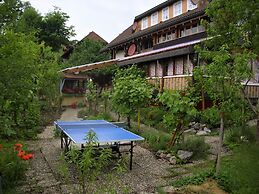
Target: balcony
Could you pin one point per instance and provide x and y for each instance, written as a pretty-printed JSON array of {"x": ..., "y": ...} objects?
[
  {"x": 181, "y": 40},
  {"x": 180, "y": 82}
]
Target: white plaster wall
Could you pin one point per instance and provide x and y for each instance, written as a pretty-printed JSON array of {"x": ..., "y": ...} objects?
[{"x": 120, "y": 54}]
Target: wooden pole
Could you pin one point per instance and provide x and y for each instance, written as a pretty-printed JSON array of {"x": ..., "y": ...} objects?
[
  {"x": 139, "y": 119},
  {"x": 221, "y": 135}
]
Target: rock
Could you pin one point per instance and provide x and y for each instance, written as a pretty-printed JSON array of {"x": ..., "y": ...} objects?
[
  {"x": 191, "y": 124},
  {"x": 184, "y": 155},
  {"x": 160, "y": 151},
  {"x": 191, "y": 130},
  {"x": 172, "y": 160},
  {"x": 163, "y": 155},
  {"x": 168, "y": 156},
  {"x": 168, "y": 190},
  {"x": 201, "y": 133},
  {"x": 196, "y": 126},
  {"x": 207, "y": 130},
  {"x": 203, "y": 125}
]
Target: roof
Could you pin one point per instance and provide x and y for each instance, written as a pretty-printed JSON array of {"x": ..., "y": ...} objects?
[
  {"x": 154, "y": 9},
  {"x": 90, "y": 66},
  {"x": 74, "y": 76},
  {"x": 128, "y": 35},
  {"x": 170, "y": 51},
  {"x": 93, "y": 36}
]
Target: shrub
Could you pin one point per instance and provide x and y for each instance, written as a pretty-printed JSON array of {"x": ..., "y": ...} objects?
[
  {"x": 196, "y": 145},
  {"x": 211, "y": 117},
  {"x": 156, "y": 140},
  {"x": 100, "y": 116},
  {"x": 83, "y": 112},
  {"x": 237, "y": 135}
]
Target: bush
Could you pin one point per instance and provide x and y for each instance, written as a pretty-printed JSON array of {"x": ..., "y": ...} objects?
[
  {"x": 238, "y": 135},
  {"x": 196, "y": 145},
  {"x": 83, "y": 112},
  {"x": 100, "y": 116},
  {"x": 152, "y": 116},
  {"x": 156, "y": 140},
  {"x": 210, "y": 116}
]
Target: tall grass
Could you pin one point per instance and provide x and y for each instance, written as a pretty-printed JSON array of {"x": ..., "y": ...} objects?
[{"x": 242, "y": 169}]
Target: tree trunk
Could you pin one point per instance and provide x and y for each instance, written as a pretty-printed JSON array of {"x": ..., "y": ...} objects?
[
  {"x": 172, "y": 140},
  {"x": 257, "y": 129},
  {"x": 221, "y": 136},
  {"x": 105, "y": 105},
  {"x": 119, "y": 117},
  {"x": 203, "y": 99},
  {"x": 138, "y": 119},
  {"x": 179, "y": 128},
  {"x": 128, "y": 121}
]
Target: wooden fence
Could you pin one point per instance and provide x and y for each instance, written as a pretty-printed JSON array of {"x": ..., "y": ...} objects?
[
  {"x": 180, "y": 82},
  {"x": 171, "y": 82}
]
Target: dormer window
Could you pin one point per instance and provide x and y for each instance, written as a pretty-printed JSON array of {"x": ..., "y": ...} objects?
[
  {"x": 154, "y": 18},
  {"x": 178, "y": 8},
  {"x": 191, "y": 5},
  {"x": 165, "y": 14},
  {"x": 144, "y": 23}
]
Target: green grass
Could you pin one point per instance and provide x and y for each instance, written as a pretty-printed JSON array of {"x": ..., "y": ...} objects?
[
  {"x": 238, "y": 175},
  {"x": 243, "y": 169}
]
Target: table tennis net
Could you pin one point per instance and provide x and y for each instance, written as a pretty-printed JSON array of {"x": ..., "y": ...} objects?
[{"x": 87, "y": 125}]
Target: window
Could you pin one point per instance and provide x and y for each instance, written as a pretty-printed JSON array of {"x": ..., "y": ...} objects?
[
  {"x": 191, "y": 5},
  {"x": 178, "y": 8},
  {"x": 152, "y": 70},
  {"x": 165, "y": 14},
  {"x": 194, "y": 28},
  {"x": 171, "y": 35},
  {"x": 144, "y": 23},
  {"x": 179, "y": 66},
  {"x": 154, "y": 18}
]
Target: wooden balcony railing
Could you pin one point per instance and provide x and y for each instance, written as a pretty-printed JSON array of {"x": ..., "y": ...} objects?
[
  {"x": 180, "y": 82},
  {"x": 252, "y": 90},
  {"x": 177, "y": 82}
]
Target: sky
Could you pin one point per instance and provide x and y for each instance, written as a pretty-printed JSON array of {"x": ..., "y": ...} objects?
[{"x": 108, "y": 18}]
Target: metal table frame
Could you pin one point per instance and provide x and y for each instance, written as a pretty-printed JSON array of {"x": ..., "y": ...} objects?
[{"x": 66, "y": 141}]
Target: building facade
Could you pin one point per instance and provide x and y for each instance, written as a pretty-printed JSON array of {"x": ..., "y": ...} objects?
[{"x": 161, "y": 41}]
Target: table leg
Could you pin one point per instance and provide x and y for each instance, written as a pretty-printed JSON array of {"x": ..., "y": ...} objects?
[
  {"x": 131, "y": 154},
  {"x": 61, "y": 139}
]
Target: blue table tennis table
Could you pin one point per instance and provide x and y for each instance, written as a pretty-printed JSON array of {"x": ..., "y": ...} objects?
[{"x": 106, "y": 133}]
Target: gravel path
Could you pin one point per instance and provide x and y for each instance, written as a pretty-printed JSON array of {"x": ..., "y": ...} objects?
[{"x": 43, "y": 173}]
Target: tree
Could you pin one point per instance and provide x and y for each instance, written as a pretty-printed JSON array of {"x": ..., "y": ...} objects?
[
  {"x": 54, "y": 31},
  {"x": 87, "y": 51},
  {"x": 131, "y": 91},
  {"x": 228, "y": 53},
  {"x": 18, "y": 83},
  {"x": 181, "y": 110},
  {"x": 10, "y": 12},
  {"x": 30, "y": 22}
]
